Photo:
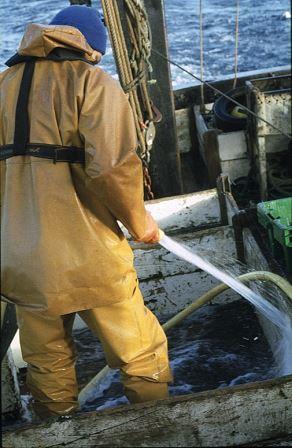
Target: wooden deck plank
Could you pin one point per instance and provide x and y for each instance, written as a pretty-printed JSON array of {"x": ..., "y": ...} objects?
[
  {"x": 179, "y": 214},
  {"x": 224, "y": 417}
]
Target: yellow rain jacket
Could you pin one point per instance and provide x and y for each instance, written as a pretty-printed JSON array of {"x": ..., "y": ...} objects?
[{"x": 62, "y": 248}]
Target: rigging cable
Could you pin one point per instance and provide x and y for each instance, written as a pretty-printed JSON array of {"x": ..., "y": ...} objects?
[
  {"x": 222, "y": 93},
  {"x": 236, "y": 43}
]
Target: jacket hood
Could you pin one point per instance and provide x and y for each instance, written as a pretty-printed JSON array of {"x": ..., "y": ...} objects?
[{"x": 40, "y": 40}]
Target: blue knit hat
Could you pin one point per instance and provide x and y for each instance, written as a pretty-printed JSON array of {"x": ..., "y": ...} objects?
[{"x": 88, "y": 21}]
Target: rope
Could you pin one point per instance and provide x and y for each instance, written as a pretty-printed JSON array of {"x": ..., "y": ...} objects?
[
  {"x": 141, "y": 39},
  {"x": 236, "y": 44},
  {"x": 223, "y": 94},
  {"x": 279, "y": 176},
  {"x": 201, "y": 55},
  {"x": 133, "y": 70},
  {"x": 119, "y": 48}
]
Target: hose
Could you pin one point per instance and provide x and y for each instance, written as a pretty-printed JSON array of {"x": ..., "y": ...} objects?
[{"x": 279, "y": 281}]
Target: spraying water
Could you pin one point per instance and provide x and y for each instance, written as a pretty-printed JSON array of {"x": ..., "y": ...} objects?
[
  {"x": 280, "y": 339},
  {"x": 268, "y": 310}
]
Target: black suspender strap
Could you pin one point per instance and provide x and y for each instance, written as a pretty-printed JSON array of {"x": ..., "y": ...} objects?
[
  {"x": 21, "y": 145},
  {"x": 21, "y": 132},
  {"x": 56, "y": 153}
]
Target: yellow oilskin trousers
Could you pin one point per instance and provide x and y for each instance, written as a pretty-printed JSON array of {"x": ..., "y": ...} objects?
[{"x": 133, "y": 342}]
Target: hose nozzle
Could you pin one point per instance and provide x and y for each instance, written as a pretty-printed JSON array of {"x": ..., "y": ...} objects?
[{"x": 161, "y": 234}]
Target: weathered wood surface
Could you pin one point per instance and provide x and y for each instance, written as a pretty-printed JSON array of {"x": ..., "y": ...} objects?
[
  {"x": 184, "y": 140},
  {"x": 185, "y": 213},
  {"x": 156, "y": 262},
  {"x": 235, "y": 168},
  {"x": 252, "y": 252},
  {"x": 274, "y": 105},
  {"x": 169, "y": 283},
  {"x": 208, "y": 146},
  {"x": 178, "y": 214},
  {"x": 223, "y": 417},
  {"x": 278, "y": 441},
  {"x": 231, "y": 207}
]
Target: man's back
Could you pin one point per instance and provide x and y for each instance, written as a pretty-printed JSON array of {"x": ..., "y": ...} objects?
[{"x": 62, "y": 247}]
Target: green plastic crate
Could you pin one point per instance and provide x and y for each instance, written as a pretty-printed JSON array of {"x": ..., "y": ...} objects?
[
  {"x": 276, "y": 217},
  {"x": 277, "y": 214}
]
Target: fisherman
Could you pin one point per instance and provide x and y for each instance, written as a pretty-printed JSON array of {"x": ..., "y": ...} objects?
[{"x": 69, "y": 173}]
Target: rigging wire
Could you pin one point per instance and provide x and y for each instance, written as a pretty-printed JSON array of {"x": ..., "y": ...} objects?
[
  {"x": 201, "y": 55},
  {"x": 236, "y": 43},
  {"x": 222, "y": 93}
]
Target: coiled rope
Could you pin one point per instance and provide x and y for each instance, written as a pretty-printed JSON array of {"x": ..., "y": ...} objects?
[
  {"x": 279, "y": 176},
  {"x": 134, "y": 71}
]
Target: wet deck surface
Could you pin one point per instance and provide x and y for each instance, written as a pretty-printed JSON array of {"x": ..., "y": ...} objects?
[{"x": 219, "y": 346}]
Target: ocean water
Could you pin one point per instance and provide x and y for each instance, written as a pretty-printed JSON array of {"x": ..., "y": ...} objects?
[{"x": 264, "y": 34}]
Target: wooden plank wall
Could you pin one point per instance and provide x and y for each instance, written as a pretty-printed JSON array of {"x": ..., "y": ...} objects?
[{"x": 230, "y": 416}]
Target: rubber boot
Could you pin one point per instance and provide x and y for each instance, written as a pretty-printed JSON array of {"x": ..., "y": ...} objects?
[
  {"x": 48, "y": 409},
  {"x": 139, "y": 390}
]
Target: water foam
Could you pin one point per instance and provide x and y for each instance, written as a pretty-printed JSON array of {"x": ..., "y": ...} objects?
[{"x": 281, "y": 319}]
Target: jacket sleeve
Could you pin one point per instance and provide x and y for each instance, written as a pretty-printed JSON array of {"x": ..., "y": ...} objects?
[{"x": 113, "y": 169}]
